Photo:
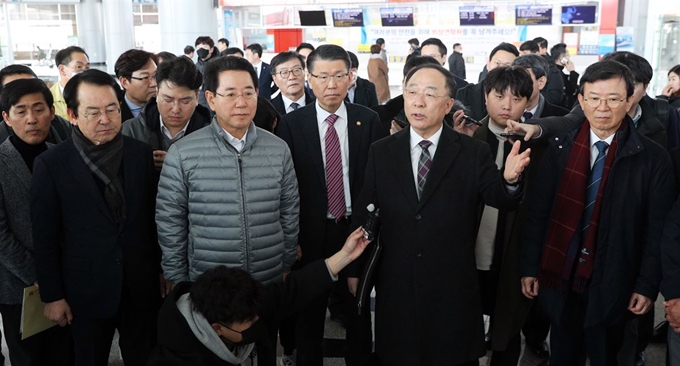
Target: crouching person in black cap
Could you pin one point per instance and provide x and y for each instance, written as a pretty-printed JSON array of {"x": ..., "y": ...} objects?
[{"x": 217, "y": 319}]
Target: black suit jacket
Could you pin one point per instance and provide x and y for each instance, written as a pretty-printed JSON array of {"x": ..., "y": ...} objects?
[
  {"x": 281, "y": 108},
  {"x": 554, "y": 89},
  {"x": 267, "y": 86},
  {"x": 301, "y": 132},
  {"x": 364, "y": 94},
  {"x": 125, "y": 112},
  {"x": 472, "y": 96},
  {"x": 428, "y": 305},
  {"x": 81, "y": 254}
]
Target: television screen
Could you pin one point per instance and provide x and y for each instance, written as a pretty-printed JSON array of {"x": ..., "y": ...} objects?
[
  {"x": 348, "y": 18},
  {"x": 533, "y": 15},
  {"x": 396, "y": 17},
  {"x": 312, "y": 17},
  {"x": 476, "y": 15},
  {"x": 579, "y": 14}
]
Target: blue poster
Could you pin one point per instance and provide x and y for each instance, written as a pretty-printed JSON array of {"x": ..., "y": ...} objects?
[{"x": 606, "y": 44}]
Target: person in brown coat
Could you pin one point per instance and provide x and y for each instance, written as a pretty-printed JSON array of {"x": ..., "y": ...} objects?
[{"x": 378, "y": 74}]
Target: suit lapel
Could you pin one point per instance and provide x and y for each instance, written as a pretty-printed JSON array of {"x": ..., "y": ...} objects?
[
  {"x": 310, "y": 130},
  {"x": 309, "y": 97},
  {"x": 279, "y": 105},
  {"x": 400, "y": 149},
  {"x": 85, "y": 180},
  {"x": 355, "y": 128},
  {"x": 16, "y": 165},
  {"x": 131, "y": 175},
  {"x": 447, "y": 150}
]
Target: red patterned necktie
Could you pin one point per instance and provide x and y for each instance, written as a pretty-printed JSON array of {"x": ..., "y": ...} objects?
[
  {"x": 334, "y": 186},
  {"x": 424, "y": 165}
]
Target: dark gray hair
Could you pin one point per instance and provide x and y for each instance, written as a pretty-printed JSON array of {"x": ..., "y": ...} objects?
[
  {"x": 328, "y": 52},
  {"x": 450, "y": 81},
  {"x": 538, "y": 65}
]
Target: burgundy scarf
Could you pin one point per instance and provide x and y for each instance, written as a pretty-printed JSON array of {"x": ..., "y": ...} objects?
[{"x": 565, "y": 222}]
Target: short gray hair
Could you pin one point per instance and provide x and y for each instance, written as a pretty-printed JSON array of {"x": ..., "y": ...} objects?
[{"x": 538, "y": 65}]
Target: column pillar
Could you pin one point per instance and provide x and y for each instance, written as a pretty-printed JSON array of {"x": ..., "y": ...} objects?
[
  {"x": 118, "y": 29},
  {"x": 90, "y": 27},
  {"x": 177, "y": 31}
]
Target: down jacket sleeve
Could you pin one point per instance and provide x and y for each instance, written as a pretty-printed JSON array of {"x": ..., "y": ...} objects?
[
  {"x": 289, "y": 211},
  {"x": 172, "y": 218}
]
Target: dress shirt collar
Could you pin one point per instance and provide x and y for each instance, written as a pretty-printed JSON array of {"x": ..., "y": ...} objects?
[
  {"x": 238, "y": 144},
  {"x": 134, "y": 108},
  {"x": 322, "y": 114},
  {"x": 416, "y": 138},
  {"x": 167, "y": 133},
  {"x": 287, "y": 102},
  {"x": 638, "y": 115},
  {"x": 594, "y": 138}
]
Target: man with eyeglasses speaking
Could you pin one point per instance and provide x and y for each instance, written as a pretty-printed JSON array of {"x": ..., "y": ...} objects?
[
  {"x": 288, "y": 69},
  {"x": 175, "y": 113},
  {"x": 429, "y": 183},
  {"x": 92, "y": 210},
  {"x": 227, "y": 194},
  {"x": 329, "y": 141}
]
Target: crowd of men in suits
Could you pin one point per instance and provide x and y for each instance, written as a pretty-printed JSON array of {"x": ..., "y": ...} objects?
[{"x": 206, "y": 210}]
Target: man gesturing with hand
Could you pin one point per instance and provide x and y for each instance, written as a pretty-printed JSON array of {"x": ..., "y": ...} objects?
[{"x": 428, "y": 182}]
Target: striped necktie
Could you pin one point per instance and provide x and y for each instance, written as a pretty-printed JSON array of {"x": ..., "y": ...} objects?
[
  {"x": 594, "y": 185},
  {"x": 334, "y": 185},
  {"x": 424, "y": 165}
]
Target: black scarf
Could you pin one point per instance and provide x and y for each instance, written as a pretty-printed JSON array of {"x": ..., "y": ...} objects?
[{"x": 104, "y": 161}]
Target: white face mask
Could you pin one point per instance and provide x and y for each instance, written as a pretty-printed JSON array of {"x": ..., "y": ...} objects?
[{"x": 73, "y": 73}]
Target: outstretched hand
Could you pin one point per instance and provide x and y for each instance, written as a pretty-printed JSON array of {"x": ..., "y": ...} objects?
[
  {"x": 515, "y": 163},
  {"x": 528, "y": 130},
  {"x": 353, "y": 248},
  {"x": 355, "y": 244}
]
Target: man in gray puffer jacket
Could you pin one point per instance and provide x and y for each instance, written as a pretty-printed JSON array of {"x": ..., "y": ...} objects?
[{"x": 228, "y": 194}]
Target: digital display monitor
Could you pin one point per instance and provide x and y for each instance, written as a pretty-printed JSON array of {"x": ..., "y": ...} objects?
[
  {"x": 477, "y": 15},
  {"x": 579, "y": 14},
  {"x": 348, "y": 18},
  {"x": 312, "y": 17},
  {"x": 396, "y": 17},
  {"x": 533, "y": 15}
]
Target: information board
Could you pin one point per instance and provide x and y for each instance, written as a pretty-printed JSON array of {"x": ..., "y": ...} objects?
[
  {"x": 396, "y": 17},
  {"x": 579, "y": 14},
  {"x": 348, "y": 17},
  {"x": 533, "y": 15},
  {"x": 477, "y": 15}
]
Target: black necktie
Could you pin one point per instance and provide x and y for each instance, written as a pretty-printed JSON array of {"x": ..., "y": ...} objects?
[{"x": 527, "y": 115}]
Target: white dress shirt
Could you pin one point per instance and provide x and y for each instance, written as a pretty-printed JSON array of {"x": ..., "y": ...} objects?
[
  {"x": 167, "y": 133},
  {"x": 287, "y": 102},
  {"x": 341, "y": 129},
  {"x": 416, "y": 150},
  {"x": 593, "y": 148},
  {"x": 238, "y": 144},
  {"x": 351, "y": 92},
  {"x": 258, "y": 69}
]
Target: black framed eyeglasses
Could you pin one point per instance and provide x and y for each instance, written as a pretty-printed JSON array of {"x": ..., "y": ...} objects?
[
  {"x": 285, "y": 73},
  {"x": 325, "y": 79}
]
